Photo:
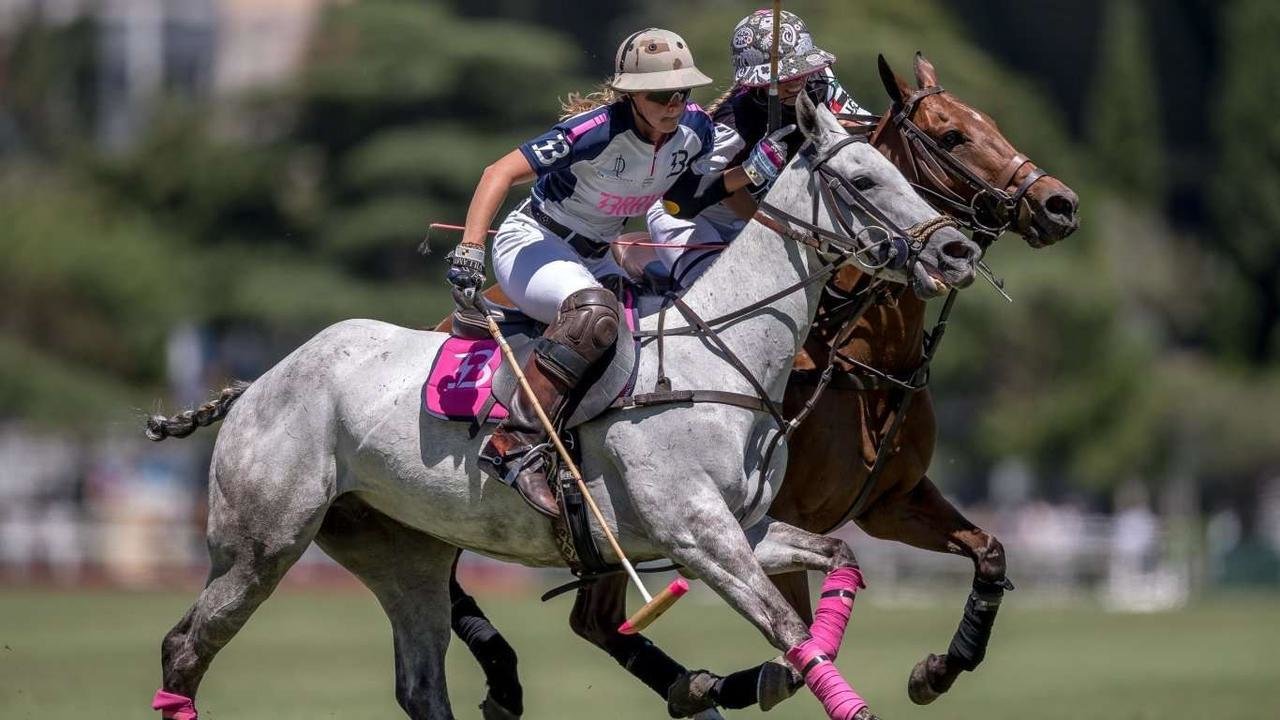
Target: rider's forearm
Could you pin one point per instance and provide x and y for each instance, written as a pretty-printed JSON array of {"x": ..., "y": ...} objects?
[
  {"x": 489, "y": 196},
  {"x": 491, "y": 191}
]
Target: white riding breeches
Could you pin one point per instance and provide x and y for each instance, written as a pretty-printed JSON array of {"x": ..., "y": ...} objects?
[
  {"x": 673, "y": 234},
  {"x": 537, "y": 269}
]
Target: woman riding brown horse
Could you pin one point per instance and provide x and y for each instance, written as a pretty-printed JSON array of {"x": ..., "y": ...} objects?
[{"x": 959, "y": 160}]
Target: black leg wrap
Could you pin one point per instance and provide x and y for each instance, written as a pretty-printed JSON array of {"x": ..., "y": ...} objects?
[
  {"x": 739, "y": 690},
  {"x": 646, "y": 661},
  {"x": 496, "y": 657},
  {"x": 969, "y": 645}
]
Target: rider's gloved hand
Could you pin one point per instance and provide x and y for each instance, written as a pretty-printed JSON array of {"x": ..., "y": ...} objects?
[
  {"x": 768, "y": 157},
  {"x": 466, "y": 268}
]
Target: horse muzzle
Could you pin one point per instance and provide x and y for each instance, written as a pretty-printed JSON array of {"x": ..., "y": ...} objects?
[{"x": 1049, "y": 217}]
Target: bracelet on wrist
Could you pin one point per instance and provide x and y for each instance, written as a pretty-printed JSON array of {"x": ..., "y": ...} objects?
[{"x": 467, "y": 251}]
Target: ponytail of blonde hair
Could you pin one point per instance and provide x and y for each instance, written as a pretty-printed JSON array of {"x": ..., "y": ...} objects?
[{"x": 578, "y": 103}]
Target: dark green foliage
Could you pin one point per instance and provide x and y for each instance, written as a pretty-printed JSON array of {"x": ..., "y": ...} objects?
[
  {"x": 47, "y": 90},
  {"x": 1124, "y": 120},
  {"x": 1246, "y": 188}
]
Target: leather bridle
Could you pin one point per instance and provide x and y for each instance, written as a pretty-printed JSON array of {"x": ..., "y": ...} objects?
[
  {"x": 898, "y": 247},
  {"x": 991, "y": 208}
]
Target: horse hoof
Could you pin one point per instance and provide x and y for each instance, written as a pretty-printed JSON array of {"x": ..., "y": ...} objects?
[
  {"x": 865, "y": 714},
  {"x": 490, "y": 709},
  {"x": 918, "y": 687},
  {"x": 690, "y": 694},
  {"x": 777, "y": 683},
  {"x": 712, "y": 714}
]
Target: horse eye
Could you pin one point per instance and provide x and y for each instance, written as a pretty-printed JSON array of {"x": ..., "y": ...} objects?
[
  {"x": 952, "y": 138},
  {"x": 864, "y": 183}
]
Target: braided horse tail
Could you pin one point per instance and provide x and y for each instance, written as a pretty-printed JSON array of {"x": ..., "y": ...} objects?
[{"x": 183, "y": 424}]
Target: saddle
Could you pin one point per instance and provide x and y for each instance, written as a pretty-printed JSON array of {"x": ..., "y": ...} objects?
[{"x": 470, "y": 381}]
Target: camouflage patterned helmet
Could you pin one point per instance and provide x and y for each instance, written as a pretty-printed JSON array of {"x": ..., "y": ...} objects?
[
  {"x": 752, "y": 43},
  {"x": 655, "y": 59}
]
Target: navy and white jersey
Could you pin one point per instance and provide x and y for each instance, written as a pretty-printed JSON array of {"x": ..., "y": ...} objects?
[{"x": 594, "y": 171}]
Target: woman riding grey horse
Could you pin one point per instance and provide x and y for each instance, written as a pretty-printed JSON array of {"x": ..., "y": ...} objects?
[
  {"x": 339, "y": 422},
  {"x": 593, "y": 171}
]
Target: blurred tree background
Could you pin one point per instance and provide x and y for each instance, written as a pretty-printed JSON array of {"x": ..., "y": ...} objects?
[{"x": 1143, "y": 349}]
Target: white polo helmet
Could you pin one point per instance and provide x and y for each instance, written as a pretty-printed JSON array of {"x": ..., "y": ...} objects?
[{"x": 655, "y": 59}]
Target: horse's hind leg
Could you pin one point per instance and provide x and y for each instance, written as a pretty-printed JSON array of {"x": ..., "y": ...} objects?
[
  {"x": 925, "y": 519},
  {"x": 598, "y": 610},
  {"x": 258, "y": 527},
  {"x": 408, "y": 571}
]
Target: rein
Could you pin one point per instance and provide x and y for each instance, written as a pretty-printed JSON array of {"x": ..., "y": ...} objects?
[
  {"x": 1004, "y": 206},
  {"x": 897, "y": 250}
]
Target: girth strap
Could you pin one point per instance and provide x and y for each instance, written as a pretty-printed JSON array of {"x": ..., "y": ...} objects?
[{"x": 673, "y": 397}]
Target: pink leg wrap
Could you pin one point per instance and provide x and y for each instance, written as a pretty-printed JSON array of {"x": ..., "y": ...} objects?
[
  {"x": 837, "y": 698},
  {"x": 173, "y": 706},
  {"x": 834, "y": 608}
]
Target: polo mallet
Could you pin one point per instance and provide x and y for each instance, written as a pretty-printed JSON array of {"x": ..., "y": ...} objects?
[
  {"x": 653, "y": 606},
  {"x": 775, "y": 103}
]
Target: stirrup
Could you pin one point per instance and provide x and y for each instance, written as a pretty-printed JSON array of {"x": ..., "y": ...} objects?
[
  {"x": 522, "y": 459},
  {"x": 531, "y": 490},
  {"x": 504, "y": 467}
]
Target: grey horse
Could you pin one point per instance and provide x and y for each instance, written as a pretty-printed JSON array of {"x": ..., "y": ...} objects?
[{"x": 337, "y": 425}]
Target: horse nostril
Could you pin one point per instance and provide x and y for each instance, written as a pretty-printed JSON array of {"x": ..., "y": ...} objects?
[
  {"x": 960, "y": 250},
  {"x": 1061, "y": 205}
]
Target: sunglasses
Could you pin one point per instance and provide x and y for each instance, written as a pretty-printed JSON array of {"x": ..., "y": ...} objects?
[{"x": 664, "y": 97}]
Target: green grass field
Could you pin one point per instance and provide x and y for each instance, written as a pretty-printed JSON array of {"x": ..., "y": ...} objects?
[{"x": 328, "y": 655}]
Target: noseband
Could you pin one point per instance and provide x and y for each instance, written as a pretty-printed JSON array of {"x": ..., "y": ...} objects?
[{"x": 992, "y": 209}]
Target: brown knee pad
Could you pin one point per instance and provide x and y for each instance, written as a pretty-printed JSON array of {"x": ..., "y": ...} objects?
[{"x": 585, "y": 328}]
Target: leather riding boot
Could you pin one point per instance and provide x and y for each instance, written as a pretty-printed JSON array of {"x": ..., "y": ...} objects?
[{"x": 585, "y": 328}]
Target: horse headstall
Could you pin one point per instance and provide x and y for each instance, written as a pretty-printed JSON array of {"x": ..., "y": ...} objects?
[{"x": 991, "y": 209}]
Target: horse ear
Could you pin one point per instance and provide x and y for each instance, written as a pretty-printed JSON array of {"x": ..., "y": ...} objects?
[
  {"x": 807, "y": 118},
  {"x": 893, "y": 84},
  {"x": 926, "y": 76}
]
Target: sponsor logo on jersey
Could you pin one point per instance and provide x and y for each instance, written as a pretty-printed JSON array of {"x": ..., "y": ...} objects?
[{"x": 625, "y": 205}]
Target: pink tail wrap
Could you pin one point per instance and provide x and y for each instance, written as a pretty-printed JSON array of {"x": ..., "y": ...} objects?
[
  {"x": 834, "y": 608},
  {"x": 837, "y": 697},
  {"x": 173, "y": 706}
]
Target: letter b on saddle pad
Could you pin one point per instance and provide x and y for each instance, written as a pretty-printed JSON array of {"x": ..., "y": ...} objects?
[{"x": 460, "y": 385}]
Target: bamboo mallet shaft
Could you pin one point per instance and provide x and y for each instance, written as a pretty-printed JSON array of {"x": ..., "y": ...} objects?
[{"x": 496, "y": 332}]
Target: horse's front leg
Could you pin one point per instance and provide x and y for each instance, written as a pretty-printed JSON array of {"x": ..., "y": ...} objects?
[
  {"x": 598, "y": 610},
  {"x": 702, "y": 534},
  {"x": 925, "y": 519},
  {"x": 786, "y": 553}
]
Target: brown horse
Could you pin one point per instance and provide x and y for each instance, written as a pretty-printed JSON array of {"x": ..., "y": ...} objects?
[{"x": 959, "y": 161}]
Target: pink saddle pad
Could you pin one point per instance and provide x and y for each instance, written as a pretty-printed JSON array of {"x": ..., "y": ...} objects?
[{"x": 460, "y": 383}]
